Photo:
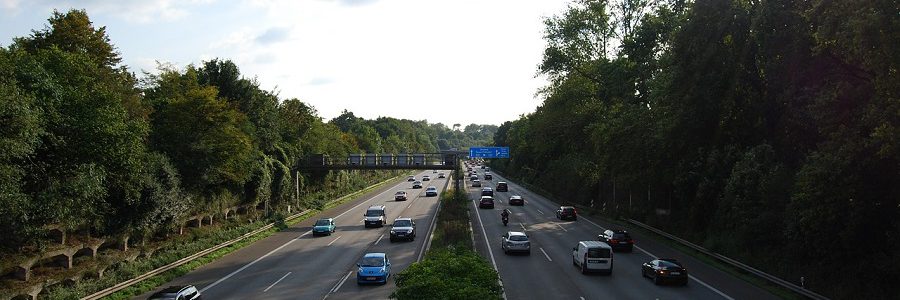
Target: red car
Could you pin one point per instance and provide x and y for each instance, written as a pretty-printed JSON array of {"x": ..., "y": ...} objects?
[{"x": 486, "y": 202}]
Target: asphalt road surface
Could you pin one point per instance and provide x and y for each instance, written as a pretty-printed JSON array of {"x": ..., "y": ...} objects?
[
  {"x": 548, "y": 273},
  {"x": 293, "y": 264}
]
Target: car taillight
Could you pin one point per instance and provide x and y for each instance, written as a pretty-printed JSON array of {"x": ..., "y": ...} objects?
[
  {"x": 614, "y": 241},
  {"x": 631, "y": 241}
]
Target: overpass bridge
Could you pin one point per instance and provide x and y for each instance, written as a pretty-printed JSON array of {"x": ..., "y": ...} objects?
[{"x": 444, "y": 160}]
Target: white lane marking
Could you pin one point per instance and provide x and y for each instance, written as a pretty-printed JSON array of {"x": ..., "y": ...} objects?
[
  {"x": 560, "y": 226},
  {"x": 379, "y": 239},
  {"x": 335, "y": 240},
  {"x": 545, "y": 254},
  {"x": 523, "y": 226},
  {"x": 276, "y": 282},
  {"x": 483, "y": 232},
  {"x": 488, "y": 245},
  {"x": 252, "y": 262},
  {"x": 408, "y": 206},
  {"x": 339, "y": 284},
  {"x": 539, "y": 211},
  {"x": 582, "y": 298}
]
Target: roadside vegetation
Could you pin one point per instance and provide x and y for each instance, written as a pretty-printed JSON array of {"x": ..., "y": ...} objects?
[
  {"x": 766, "y": 131},
  {"x": 92, "y": 153},
  {"x": 451, "y": 269}
]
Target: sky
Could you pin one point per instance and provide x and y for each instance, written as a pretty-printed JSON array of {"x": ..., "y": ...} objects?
[{"x": 447, "y": 61}]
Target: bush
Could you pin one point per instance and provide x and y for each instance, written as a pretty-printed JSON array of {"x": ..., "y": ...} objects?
[{"x": 472, "y": 277}]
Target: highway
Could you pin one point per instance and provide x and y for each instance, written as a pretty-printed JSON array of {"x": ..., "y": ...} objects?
[
  {"x": 548, "y": 273},
  {"x": 293, "y": 264}
]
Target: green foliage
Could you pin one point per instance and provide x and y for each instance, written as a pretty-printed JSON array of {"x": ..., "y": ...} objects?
[
  {"x": 726, "y": 122},
  {"x": 471, "y": 277}
]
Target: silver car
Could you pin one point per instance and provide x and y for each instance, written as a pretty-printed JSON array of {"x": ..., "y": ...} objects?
[{"x": 515, "y": 241}]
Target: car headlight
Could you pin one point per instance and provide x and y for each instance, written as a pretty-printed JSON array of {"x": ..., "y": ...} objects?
[{"x": 393, "y": 232}]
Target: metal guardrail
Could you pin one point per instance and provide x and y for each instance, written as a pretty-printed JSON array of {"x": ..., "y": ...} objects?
[
  {"x": 177, "y": 263},
  {"x": 734, "y": 263}
]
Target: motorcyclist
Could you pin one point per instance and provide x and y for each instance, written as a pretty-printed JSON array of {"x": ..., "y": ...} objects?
[{"x": 505, "y": 216}]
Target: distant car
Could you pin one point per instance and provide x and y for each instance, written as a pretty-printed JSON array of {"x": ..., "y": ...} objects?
[
  {"x": 431, "y": 191},
  {"x": 373, "y": 268},
  {"x": 618, "y": 239},
  {"x": 482, "y": 167},
  {"x": 324, "y": 226},
  {"x": 180, "y": 292},
  {"x": 411, "y": 178},
  {"x": 400, "y": 196},
  {"x": 426, "y": 178},
  {"x": 665, "y": 270},
  {"x": 476, "y": 183},
  {"x": 515, "y": 241},
  {"x": 516, "y": 200},
  {"x": 441, "y": 175},
  {"x": 403, "y": 229},
  {"x": 487, "y": 169},
  {"x": 417, "y": 185},
  {"x": 502, "y": 186},
  {"x": 566, "y": 213},
  {"x": 433, "y": 171},
  {"x": 473, "y": 177},
  {"x": 488, "y": 176},
  {"x": 486, "y": 202},
  {"x": 487, "y": 191}
]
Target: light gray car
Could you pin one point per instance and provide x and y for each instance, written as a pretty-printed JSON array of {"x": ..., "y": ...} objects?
[{"x": 515, "y": 241}]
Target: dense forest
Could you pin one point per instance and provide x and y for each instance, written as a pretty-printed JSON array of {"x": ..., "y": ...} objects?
[
  {"x": 87, "y": 146},
  {"x": 764, "y": 130}
]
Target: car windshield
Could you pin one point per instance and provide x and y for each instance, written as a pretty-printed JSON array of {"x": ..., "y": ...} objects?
[
  {"x": 567, "y": 209},
  {"x": 322, "y": 223},
  {"x": 403, "y": 223},
  {"x": 518, "y": 238},
  {"x": 598, "y": 253},
  {"x": 373, "y": 213},
  {"x": 401, "y": 193},
  {"x": 668, "y": 264},
  {"x": 371, "y": 262},
  {"x": 623, "y": 236}
]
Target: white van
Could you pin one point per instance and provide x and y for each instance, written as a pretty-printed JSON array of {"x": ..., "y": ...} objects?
[
  {"x": 593, "y": 256},
  {"x": 375, "y": 216}
]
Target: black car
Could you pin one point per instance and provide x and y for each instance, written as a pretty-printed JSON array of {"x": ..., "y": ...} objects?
[
  {"x": 488, "y": 176},
  {"x": 181, "y": 292},
  {"x": 665, "y": 270},
  {"x": 486, "y": 191},
  {"x": 502, "y": 186},
  {"x": 567, "y": 213},
  {"x": 403, "y": 229},
  {"x": 618, "y": 239}
]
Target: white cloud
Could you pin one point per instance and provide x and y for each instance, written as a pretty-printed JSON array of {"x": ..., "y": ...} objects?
[{"x": 135, "y": 11}]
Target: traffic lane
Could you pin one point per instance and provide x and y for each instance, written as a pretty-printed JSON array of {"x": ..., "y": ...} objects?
[
  {"x": 242, "y": 258},
  {"x": 260, "y": 277},
  {"x": 566, "y": 234},
  {"x": 520, "y": 273},
  {"x": 557, "y": 238},
  {"x": 402, "y": 253},
  {"x": 721, "y": 283}
]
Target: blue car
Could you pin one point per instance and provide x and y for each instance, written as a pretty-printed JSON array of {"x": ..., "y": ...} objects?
[
  {"x": 373, "y": 268},
  {"x": 324, "y": 227}
]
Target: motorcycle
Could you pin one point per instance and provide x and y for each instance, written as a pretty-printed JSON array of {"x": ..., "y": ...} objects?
[{"x": 505, "y": 220}]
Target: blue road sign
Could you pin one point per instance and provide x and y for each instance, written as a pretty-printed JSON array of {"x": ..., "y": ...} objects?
[{"x": 489, "y": 152}]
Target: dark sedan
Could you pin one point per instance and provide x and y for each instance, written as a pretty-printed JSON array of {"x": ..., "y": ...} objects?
[{"x": 665, "y": 270}]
